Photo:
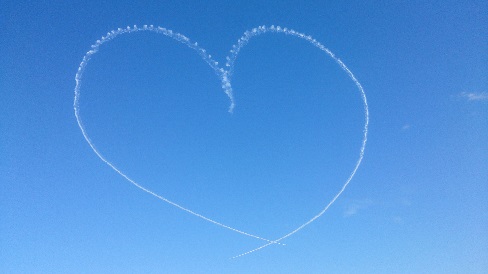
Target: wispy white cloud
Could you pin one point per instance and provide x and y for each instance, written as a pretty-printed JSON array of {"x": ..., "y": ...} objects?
[
  {"x": 406, "y": 127},
  {"x": 353, "y": 207},
  {"x": 398, "y": 220},
  {"x": 475, "y": 96}
]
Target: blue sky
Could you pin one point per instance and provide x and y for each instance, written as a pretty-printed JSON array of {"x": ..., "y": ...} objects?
[{"x": 157, "y": 111}]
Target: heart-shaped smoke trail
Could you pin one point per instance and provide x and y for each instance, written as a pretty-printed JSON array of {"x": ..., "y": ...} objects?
[{"x": 225, "y": 77}]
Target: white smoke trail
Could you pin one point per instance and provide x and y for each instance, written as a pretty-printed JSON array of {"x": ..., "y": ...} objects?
[
  {"x": 225, "y": 76},
  {"x": 230, "y": 64},
  {"x": 182, "y": 39}
]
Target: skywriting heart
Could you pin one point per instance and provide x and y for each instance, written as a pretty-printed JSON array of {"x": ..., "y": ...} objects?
[{"x": 225, "y": 75}]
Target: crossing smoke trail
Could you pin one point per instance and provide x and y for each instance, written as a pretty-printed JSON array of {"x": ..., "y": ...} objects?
[
  {"x": 182, "y": 39},
  {"x": 230, "y": 64},
  {"x": 225, "y": 76}
]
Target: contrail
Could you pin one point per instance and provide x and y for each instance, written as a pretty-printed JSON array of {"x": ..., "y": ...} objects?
[
  {"x": 182, "y": 39},
  {"x": 230, "y": 64},
  {"x": 225, "y": 77}
]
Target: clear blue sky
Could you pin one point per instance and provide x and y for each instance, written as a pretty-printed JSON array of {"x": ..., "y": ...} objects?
[{"x": 418, "y": 203}]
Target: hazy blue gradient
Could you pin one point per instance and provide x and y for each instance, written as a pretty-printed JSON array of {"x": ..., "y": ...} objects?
[{"x": 155, "y": 109}]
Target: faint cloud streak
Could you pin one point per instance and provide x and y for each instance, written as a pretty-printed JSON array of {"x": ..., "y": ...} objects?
[
  {"x": 355, "y": 206},
  {"x": 475, "y": 96}
]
